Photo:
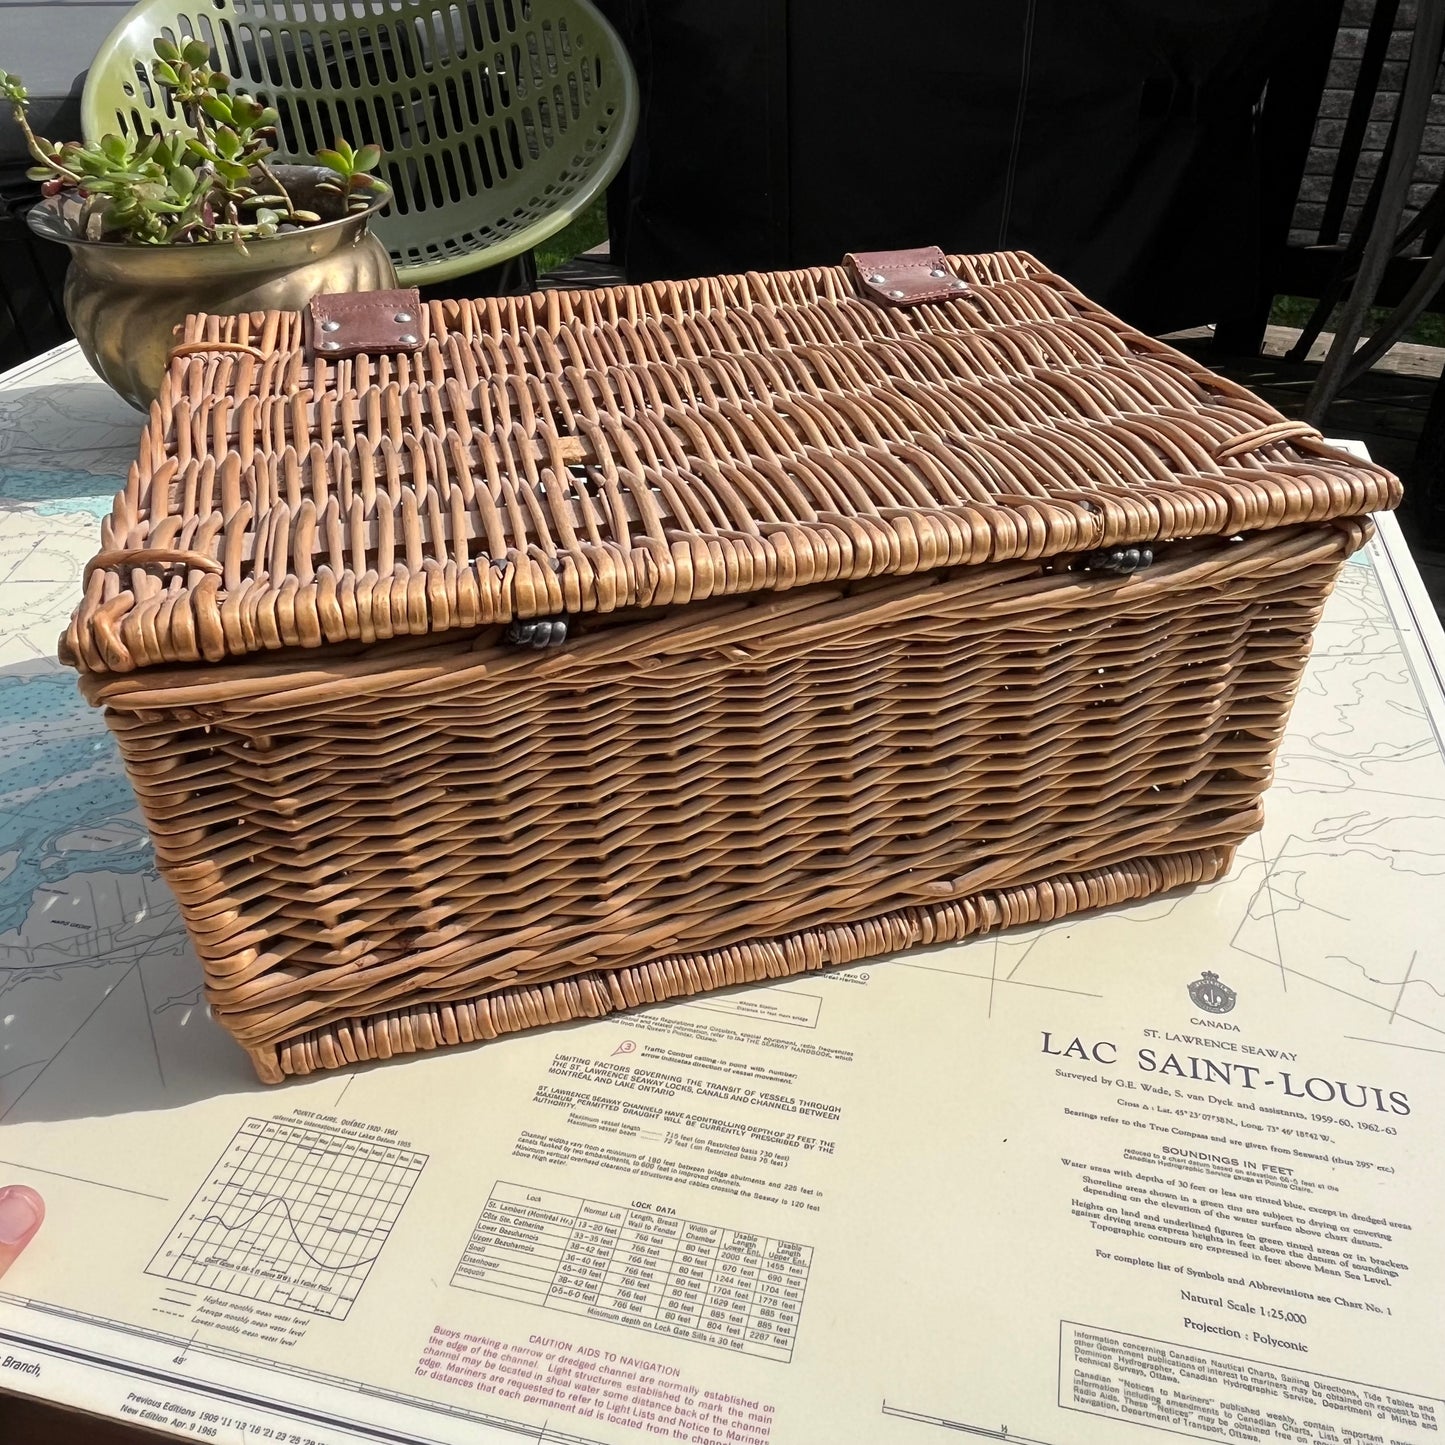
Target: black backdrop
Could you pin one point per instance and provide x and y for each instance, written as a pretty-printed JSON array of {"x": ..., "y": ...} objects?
[{"x": 1118, "y": 140}]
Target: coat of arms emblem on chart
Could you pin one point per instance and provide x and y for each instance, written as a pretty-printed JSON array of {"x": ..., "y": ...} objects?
[{"x": 1211, "y": 995}]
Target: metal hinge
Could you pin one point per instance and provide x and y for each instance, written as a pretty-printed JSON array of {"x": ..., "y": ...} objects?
[
  {"x": 538, "y": 632},
  {"x": 1120, "y": 561}
]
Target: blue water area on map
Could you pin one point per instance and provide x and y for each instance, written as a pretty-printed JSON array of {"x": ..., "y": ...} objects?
[
  {"x": 51, "y": 739},
  {"x": 55, "y": 491}
]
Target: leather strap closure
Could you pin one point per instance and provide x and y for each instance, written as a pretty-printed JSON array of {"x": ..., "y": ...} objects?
[
  {"x": 906, "y": 278},
  {"x": 379, "y": 323}
]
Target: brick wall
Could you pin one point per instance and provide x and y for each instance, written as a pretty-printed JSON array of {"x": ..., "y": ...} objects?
[{"x": 1335, "y": 106}]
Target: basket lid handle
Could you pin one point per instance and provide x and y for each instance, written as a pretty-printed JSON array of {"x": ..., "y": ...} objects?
[{"x": 906, "y": 278}]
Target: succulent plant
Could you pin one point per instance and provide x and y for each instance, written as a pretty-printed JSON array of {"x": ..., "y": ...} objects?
[{"x": 212, "y": 181}]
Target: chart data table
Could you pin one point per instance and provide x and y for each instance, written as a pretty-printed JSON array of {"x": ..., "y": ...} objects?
[{"x": 637, "y": 1267}]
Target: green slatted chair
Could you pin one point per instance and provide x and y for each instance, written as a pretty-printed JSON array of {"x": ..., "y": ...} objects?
[{"x": 501, "y": 120}]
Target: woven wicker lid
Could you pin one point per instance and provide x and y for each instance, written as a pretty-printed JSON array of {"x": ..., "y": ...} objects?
[{"x": 666, "y": 443}]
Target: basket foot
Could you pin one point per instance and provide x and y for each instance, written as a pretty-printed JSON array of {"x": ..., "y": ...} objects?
[{"x": 267, "y": 1063}]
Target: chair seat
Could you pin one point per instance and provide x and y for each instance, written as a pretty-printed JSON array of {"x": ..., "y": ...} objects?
[{"x": 499, "y": 121}]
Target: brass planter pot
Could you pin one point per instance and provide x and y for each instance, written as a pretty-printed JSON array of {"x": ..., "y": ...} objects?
[{"x": 125, "y": 302}]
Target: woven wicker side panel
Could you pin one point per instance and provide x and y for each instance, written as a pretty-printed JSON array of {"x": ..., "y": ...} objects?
[
  {"x": 594, "y": 995},
  {"x": 691, "y": 785}
]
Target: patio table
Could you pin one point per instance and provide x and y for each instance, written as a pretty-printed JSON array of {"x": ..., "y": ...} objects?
[{"x": 1171, "y": 1164}]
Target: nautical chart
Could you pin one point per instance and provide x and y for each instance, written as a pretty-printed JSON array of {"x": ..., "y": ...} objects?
[
  {"x": 95, "y": 962},
  {"x": 292, "y": 1216}
]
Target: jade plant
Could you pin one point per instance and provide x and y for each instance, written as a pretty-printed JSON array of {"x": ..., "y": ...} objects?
[{"x": 211, "y": 181}]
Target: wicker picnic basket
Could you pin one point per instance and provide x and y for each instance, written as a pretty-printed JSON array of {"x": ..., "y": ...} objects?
[{"x": 861, "y": 647}]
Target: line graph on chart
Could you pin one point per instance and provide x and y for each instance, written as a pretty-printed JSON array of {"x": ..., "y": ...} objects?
[{"x": 291, "y": 1215}]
